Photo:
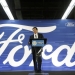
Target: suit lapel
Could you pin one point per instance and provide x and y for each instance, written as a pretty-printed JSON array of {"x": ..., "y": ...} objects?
[
  {"x": 38, "y": 35},
  {"x": 33, "y": 36}
]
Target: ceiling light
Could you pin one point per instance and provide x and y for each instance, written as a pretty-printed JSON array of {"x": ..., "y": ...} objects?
[
  {"x": 69, "y": 9},
  {"x": 6, "y": 9}
]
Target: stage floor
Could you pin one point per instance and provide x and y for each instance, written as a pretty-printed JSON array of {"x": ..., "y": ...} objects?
[{"x": 43, "y": 73}]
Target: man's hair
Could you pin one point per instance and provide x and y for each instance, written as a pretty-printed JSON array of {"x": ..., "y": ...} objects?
[{"x": 35, "y": 28}]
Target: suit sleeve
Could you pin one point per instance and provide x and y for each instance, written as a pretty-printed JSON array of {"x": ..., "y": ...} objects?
[
  {"x": 29, "y": 40},
  {"x": 42, "y": 36}
]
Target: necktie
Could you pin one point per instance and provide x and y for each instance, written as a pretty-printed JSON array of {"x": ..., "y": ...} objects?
[{"x": 35, "y": 36}]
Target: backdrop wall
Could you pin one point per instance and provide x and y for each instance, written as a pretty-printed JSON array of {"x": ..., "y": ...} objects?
[{"x": 58, "y": 54}]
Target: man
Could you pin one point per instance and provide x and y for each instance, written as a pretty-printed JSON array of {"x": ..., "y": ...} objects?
[{"x": 35, "y": 50}]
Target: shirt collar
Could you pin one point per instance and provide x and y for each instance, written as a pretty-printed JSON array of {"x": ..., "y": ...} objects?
[{"x": 35, "y": 34}]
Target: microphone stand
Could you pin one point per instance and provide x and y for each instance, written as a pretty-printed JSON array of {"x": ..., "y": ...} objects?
[{"x": 38, "y": 54}]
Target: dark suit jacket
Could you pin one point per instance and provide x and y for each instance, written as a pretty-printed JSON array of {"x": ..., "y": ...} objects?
[{"x": 40, "y": 36}]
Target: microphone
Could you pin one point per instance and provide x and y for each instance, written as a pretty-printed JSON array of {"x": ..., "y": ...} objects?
[{"x": 39, "y": 52}]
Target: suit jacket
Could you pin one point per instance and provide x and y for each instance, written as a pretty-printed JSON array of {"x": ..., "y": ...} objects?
[{"x": 40, "y": 36}]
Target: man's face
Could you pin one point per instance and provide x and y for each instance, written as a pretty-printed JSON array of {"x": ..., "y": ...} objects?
[{"x": 35, "y": 30}]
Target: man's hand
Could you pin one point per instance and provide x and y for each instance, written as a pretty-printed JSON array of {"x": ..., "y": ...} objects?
[{"x": 29, "y": 43}]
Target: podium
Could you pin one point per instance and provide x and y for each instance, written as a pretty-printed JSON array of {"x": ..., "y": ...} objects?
[{"x": 38, "y": 43}]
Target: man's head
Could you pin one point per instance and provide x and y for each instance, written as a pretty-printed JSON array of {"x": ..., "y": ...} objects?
[{"x": 35, "y": 30}]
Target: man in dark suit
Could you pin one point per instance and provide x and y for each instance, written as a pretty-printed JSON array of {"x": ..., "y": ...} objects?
[{"x": 35, "y": 50}]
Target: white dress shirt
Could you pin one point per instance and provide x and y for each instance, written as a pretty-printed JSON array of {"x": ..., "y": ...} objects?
[{"x": 35, "y": 35}]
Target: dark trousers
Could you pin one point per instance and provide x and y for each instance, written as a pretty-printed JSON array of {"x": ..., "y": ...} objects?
[{"x": 37, "y": 65}]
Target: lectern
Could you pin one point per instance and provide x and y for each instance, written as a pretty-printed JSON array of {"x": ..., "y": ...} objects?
[{"x": 38, "y": 43}]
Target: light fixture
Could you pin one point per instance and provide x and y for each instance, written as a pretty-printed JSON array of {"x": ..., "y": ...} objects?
[
  {"x": 69, "y": 9},
  {"x": 6, "y": 9}
]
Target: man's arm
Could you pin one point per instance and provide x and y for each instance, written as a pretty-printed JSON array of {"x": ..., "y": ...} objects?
[
  {"x": 29, "y": 40},
  {"x": 42, "y": 36}
]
